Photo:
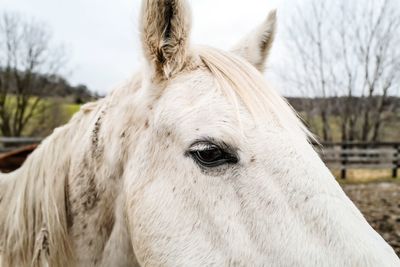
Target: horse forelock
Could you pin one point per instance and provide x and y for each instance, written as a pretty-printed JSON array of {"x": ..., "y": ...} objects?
[{"x": 242, "y": 83}]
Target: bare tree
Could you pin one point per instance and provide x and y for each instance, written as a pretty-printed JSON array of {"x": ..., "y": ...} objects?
[
  {"x": 349, "y": 57},
  {"x": 27, "y": 54}
]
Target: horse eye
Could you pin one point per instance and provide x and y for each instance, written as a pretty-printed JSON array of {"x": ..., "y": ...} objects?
[{"x": 207, "y": 154}]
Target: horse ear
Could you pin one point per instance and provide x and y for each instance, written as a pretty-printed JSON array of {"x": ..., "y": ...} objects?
[
  {"x": 256, "y": 46},
  {"x": 165, "y": 29}
]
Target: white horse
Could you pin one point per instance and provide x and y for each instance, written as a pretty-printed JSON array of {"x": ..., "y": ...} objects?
[{"x": 195, "y": 162}]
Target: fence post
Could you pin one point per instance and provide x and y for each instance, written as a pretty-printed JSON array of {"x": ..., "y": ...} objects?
[
  {"x": 344, "y": 161},
  {"x": 396, "y": 161}
]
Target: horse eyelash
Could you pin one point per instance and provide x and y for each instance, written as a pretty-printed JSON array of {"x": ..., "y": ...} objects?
[{"x": 225, "y": 147}]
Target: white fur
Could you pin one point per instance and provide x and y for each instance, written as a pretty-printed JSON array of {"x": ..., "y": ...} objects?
[
  {"x": 116, "y": 187},
  {"x": 284, "y": 209},
  {"x": 256, "y": 46}
]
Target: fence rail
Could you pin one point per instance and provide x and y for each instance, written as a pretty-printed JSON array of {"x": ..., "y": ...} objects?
[
  {"x": 11, "y": 143},
  {"x": 360, "y": 155}
]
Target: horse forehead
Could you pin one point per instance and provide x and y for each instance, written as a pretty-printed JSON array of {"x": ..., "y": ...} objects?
[
  {"x": 194, "y": 98},
  {"x": 192, "y": 86},
  {"x": 194, "y": 107}
]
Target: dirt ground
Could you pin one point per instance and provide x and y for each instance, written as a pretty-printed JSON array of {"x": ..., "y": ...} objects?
[{"x": 380, "y": 204}]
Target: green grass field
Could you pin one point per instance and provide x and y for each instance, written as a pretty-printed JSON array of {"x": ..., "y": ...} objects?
[
  {"x": 50, "y": 113},
  {"x": 70, "y": 109}
]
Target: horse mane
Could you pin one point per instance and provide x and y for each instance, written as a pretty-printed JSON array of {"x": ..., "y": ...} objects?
[
  {"x": 34, "y": 205},
  {"x": 240, "y": 81}
]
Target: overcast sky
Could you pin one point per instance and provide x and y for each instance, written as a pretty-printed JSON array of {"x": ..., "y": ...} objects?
[{"x": 102, "y": 35}]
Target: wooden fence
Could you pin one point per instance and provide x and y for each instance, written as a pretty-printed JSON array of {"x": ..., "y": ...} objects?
[
  {"x": 11, "y": 143},
  {"x": 359, "y": 155},
  {"x": 340, "y": 156}
]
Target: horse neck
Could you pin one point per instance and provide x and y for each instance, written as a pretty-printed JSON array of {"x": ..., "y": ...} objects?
[{"x": 35, "y": 207}]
